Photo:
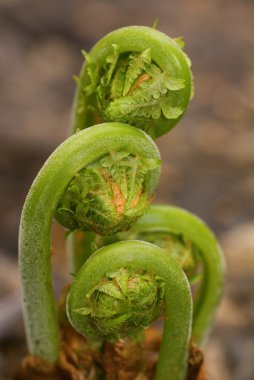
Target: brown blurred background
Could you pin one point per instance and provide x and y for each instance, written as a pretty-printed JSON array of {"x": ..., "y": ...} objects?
[{"x": 208, "y": 160}]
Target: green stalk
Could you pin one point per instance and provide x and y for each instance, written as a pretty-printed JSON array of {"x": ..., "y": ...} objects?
[
  {"x": 80, "y": 247},
  {"x": 178, "y": 221},
  {"x": 39, "y": 208},
  {"x": 172, "y": 363}
]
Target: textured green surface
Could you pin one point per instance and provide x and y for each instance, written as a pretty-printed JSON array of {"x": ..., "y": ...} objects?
[
  {"x": 172, "y": 363},
  {"x": 122, "y": 304},
  {"x": 108, "y": 195},
  {"x": 109, "y": 86},
  {"x": 34, "y": 239}
]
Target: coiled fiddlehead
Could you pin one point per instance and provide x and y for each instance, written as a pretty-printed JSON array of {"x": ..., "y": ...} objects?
[
  {"x": 123, "y": 302},
  {"x": 108, "y": 195},
  {"x": 186, "y": 239},
  {"x": 136, "y": 75},
  {"x": 181, "y": 223},
  {"x": 129, "y": 256},
  {"x": 70, "y": 158}
]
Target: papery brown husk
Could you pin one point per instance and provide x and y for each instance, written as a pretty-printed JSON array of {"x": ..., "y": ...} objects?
[{"x": 121, "y": 360}]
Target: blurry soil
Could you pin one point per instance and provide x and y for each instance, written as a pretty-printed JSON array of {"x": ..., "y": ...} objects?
[
  {"x": 208, "y": 160},
  {"x": 122, "y": 360}
]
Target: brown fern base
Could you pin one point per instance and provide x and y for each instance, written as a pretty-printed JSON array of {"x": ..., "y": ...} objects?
[{"x": 123, "y": 360}]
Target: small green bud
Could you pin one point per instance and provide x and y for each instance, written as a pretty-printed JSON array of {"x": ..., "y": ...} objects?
[
  {"x": 122, "y": 303},
  {"x": 108, "y": 195}
]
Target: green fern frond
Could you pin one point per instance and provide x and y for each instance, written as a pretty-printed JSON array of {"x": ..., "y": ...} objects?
[
  {"x": 155, "y": 23},
  {"x": 111, "y": 289},
  {"x": 137, "y": 64},
  {"x": 117, "y": 83},
  {"x": 179, "y": 41},
  {"x": 160, "y": 83},
  {"x": 93, "y": 74},
  {"x": 168, "y": 111},
  {"x": 111, "y": 61}
]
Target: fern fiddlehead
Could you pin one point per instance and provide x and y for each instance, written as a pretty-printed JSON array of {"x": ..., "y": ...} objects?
[
  {"x": 190, "y": 242},
  {"x": 91, "y": 294},
  {"x": 136, "y": 75},
  {"x": 108, "y": 195},
  {"x": 182, "y": 224},
  {"x": 76, "y": 153}
]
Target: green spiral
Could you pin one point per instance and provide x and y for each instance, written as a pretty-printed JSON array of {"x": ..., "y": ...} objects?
[{"x": 135, "y": 75}]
